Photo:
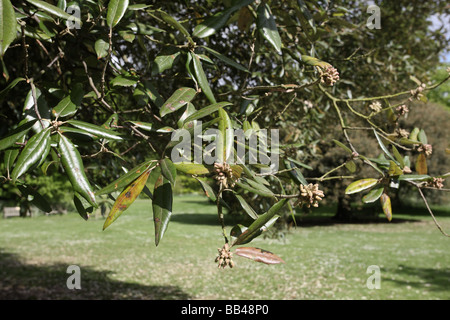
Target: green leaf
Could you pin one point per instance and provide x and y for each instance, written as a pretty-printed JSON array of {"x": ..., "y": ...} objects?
[
  {"x": 30, "y": 111},
  {"x": 178, "y": 99},
  {"x": 83, "y": 207},
  {"x": 8, "y": 25},
  {"x": 38, "y": 200},
  {"x": 125, "y": 179},
  {"x": 373, "y": 195},
  {"x": 168, "y": 170},
  {"x": 138, "y": 6},
  {"x": 116, "y": 10},
  {"x": 101, "y": 48},
  {"x": 385, "y": 201},
  {"x": 62, "y": 4},
  {"x": 383, "y": 147},
  {"x": 422, "y": 136},
  {"x": 343, "y": 146},
  {"x": 162, "y": 207},
  {"x": 213, "y": 23},
  {"x": 360, "y": 185},
  {"x": 314, "y": 61},
  {"x": 16, "y": 135},
  {"x": 247, "y": 208},
  {"x": 351, "y": 166},
  {"x": 414, "y": 177},
  {"x": 225, "y": 59},
  {"x": 398, "y": 156},
  {"x": 188, "y": 111},
  {"x": 143, "y": 125},
  {"x": 254, "y": 190},
  {"x": 11, "y": 85},
  {"x": 164, "y": 62},
  {"x": 175, "y": 24},
  {"x": 394, "y": 169},
  {"x": 414, "y": 134},
  {"x": 74, "y": 168},
  {"x": 147, "y": 91},
  {"x": 257, "y": 227},
  {"x": 192, "y": 168},
  {"x": 226, "y": 128},
  {"x": 208, "y": 190},
  {"x": 300, "y": 164},
  {"x": 78, "y": 134},
  {"x": 295, "y": 173},
  {"x": 267, "y": 26},
  {"x": 307, "y": 14},
  {"x": 258, "y": 255},
  {"x": 68, "y": 106},
  {"x": 53, "y": 10},
  {"x": 124, "y": 81},
  {"x": 32, "y": 153},
  {"x": 101, "y": 132},
  {"x": 406, "y": 142},
  {"x": 11, "y": 156},
  {"x": 206, "y": 111},
  {"x": 201, "y": 78},
  {"x": 126, "y": 198}
]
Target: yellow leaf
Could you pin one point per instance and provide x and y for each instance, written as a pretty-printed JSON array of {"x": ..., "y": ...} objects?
[
  {"x": 126, "y": 198},
  {"x": 386, "y": 205}
]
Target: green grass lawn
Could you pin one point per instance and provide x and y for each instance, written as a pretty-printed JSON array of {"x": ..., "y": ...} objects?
[{"x": 122, "y": 262}]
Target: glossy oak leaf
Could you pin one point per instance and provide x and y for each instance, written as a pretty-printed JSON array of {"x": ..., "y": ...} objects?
[
  {"x": 125, "y": 179},
  {"x": 360, "y": 185},
  {"x": 36, "y": 148},
  {"x": 126, "y": 198},
  {"x": 162, "y": 207},
  {"x": 177, "y": 100},
  {"x": 258, "y": 255},
  {"x": 73, "y": 166}
]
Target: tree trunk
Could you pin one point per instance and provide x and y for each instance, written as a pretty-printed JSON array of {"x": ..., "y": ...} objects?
[{"x": 344, "y": 211}]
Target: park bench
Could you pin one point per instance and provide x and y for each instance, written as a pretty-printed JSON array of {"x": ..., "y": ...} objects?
[{"x": 11, "y": 212}]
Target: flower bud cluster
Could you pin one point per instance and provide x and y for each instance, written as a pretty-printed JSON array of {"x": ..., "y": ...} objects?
[
  {"x": 402, "y": 110},
  {"x": 425, "y": 148},
  {"x": 224, "y": 175},
  {"x": 436, "y": 183},
  {"x": 310, "y": 195},
  {"x": 329, "y": 75},
  {"x": 224, "y": 258},
  {"x": 417, "y": 93},
  {"x": 375, "y": 106}
]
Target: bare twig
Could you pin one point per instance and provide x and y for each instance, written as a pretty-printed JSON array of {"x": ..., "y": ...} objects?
[
  {"x": 36, "y": 109},
  {"x": 431, "y": 212}
]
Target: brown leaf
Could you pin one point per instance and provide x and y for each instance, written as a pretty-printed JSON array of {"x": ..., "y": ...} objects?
[
  {"x": 258, "y": 255},
  {"x": 421, "y": 164},
  {"x": 245, "y": 19}
]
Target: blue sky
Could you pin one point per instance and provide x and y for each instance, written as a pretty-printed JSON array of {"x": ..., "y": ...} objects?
[{"x": 437, "y": 23}]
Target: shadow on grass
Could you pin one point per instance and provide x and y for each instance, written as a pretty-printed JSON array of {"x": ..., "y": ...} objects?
[
  {"x": 23, "y": 281},
  {"x": 302, "y": 221},
  {"x": 325, "y": 221},
  {"x": 210, "y": 219},
  {"x": 429, "y": 279}
]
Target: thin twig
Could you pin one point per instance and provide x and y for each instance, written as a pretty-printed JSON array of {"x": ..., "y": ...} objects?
[
  {"x": 431, "y": 213},
  {"x": 36, "y": 109},
  {"x": 108, "y": 58}
]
